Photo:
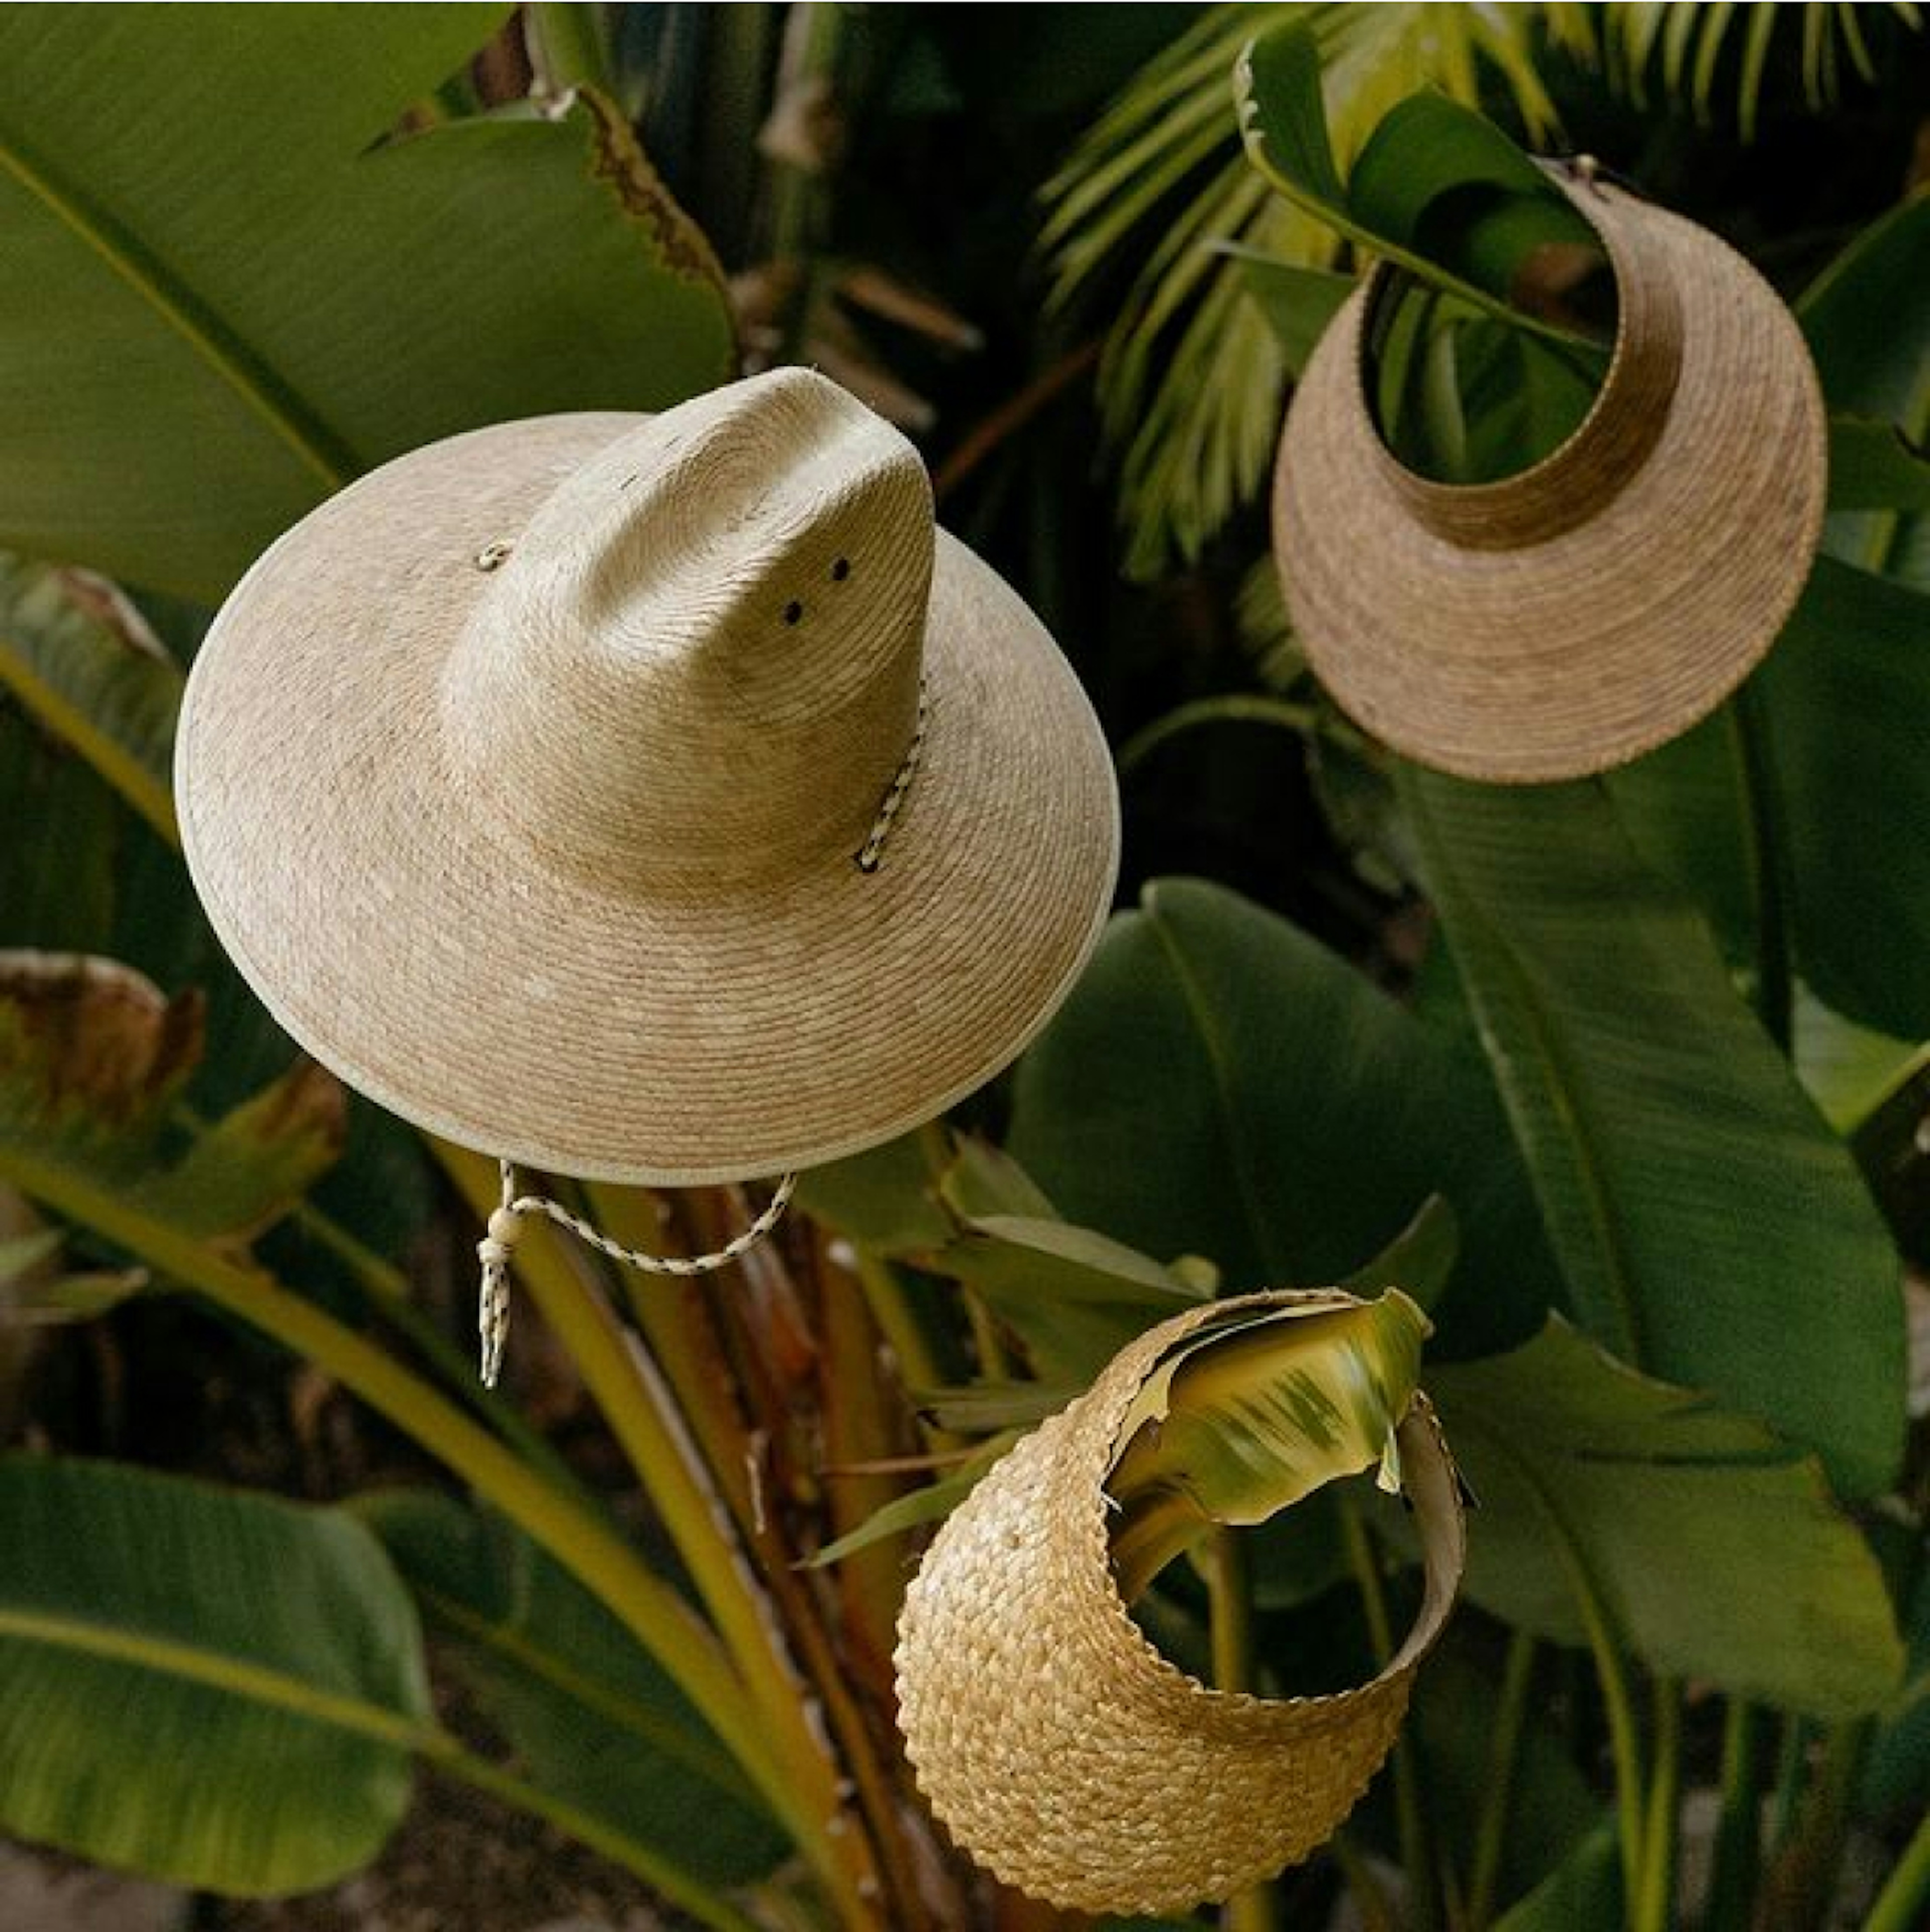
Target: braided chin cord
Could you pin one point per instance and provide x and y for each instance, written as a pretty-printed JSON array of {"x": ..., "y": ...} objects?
[
  {"x": 506, "y": 1224},
  {"x": 505, "y": 1228}
]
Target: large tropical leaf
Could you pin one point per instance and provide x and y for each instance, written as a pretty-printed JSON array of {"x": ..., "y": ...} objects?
[
  {"x": 81, "y": 660},
  {"x": 1814, "y": 789},
  {"x": 61, "y": 897},
  {"x": 1584, "y": 1893},
  {"x": 92, "y": 1059},
  {"x": 1251, "y": 1413},
  {"x": 1221, "y": 1084},
  {"x": 1847, "y": 693},
  {"x": 1426, "y": 151},
  {"x": 213, "y": 1688},
  {"x": 88, "y": 669},
  {"x": 1866, "y": 318},
  {"x": 1710, "y": 1228},
  {"x": 1075, "y": 1296},
  {"x": 593, "y": 1718},
  {"x": 232, "y": 283},
  {"x": 1711, "y": 1550}
]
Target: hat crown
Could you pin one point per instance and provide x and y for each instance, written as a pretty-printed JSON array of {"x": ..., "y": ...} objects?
[{"x": 700, "y": 662}]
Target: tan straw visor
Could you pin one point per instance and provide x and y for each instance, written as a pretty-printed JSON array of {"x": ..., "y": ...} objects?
[
  {"x": 526, "y": 781},
  {"x": 1566, "y": 620},
  {"x": 1056, "y": 1745}
]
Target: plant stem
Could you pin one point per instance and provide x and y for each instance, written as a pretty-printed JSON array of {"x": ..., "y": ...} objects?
[
  {"x": 1370, "y": 1903},
  {"x": 387, "y": 1288},
  {"x": 1233, "y": 708},
  {"x": 1624, "y": 1739},
  {"x": 1738, "y": 1859},
  {"x": 1807, "y": 1870},
  {"x": 904, "y": 1332},
  {"x": 630, "y": 1391},
  {"x": 1904, "y": 1900},
  {"x": 1791, "y": 1771},
  {"x": 1504, "y": 1746},
  {"x": 679, "y": 1323},
  {"x": 994, "y": 1364},
  {"x": 1417, "y": 1847},
  {"x": 1229, "y": 1616},
  {"x": 1654, "y": 1907}
]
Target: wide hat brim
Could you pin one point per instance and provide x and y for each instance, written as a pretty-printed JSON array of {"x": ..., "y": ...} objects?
[
  {"x": 634, "y": 1034},
  {"x": 1682, "y": 518}
]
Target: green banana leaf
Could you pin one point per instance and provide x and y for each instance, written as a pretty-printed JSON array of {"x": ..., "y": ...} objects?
[
  {"x": 1253, "y": 1412},
  {"x": 1846, "y": 692},
  {"x": 36, "y": 1290},
  {"x": 58, "y": 898},
  {"x": 90, "y": 671},
  {"x": 83, "y": 662},
  {"x": 92, "y": 1058},
  {"x": 1220, "y": 1084},
  {"x": 1436, "y": 189},
  {"x": 1297, "y": 301},
  {"x": 592, "y": 1718},
  {"x": 1708, "y": 1547},
  {"x": 215, "y": 1688},
  {"x": 1711, "y": 1229},
  {"x": 1831, "y": 801},
  {"x": 1582, "y": 1893},
  {"x": 235, "y": 278},
  {"x": 1551, "y": 1806},
  {"x": 1866, "y": 318},
  {"x": 1874, "y": 466}
]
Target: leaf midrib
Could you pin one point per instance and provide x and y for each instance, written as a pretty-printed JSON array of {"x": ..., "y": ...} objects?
[
  {"x": 262, "y": 393},
  {"x": 118, "y": 764},
  {"x": 233, "y": 1676},
  {"x": 1198, "y": 1011},
  {"x": 594, "y": 1698},
  {"x": 1616, "y": 1272}
]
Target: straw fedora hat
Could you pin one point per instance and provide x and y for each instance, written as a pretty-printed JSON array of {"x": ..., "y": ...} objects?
[
  {"x": 658, "y": 799},
  {"x": 1060, "y": 1749},
  {"x": 1566, "y": 619}
]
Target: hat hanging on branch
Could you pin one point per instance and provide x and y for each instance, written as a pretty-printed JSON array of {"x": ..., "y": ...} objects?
[
  {"x": 1057, "y": 1746},
  {"x": 652, "y": 798},
  {"x": 1564, "y": 620}
]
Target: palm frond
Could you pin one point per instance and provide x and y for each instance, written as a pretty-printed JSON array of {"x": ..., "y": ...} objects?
[
  {"x": 1686, "y": 39},
  {"x": 1191, "y": 378}
]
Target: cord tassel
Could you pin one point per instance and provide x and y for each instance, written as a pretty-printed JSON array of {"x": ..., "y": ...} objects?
[
  {"x": 505, "y": 1228},
  {"x": 493, "y": 1251}
]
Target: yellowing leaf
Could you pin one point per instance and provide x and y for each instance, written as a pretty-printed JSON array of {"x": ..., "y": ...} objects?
[{"x": 1248, "y": 1415}]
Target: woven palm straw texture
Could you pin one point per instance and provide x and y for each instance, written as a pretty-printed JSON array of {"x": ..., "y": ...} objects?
[
  {"x": 1565, "y": 620},
  {"x": 1060, "y": 1749},
  {"x": 525, "y": 781}
]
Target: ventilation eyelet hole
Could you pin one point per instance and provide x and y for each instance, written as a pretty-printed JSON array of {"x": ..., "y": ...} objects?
[
  {"x": 793, "y": 611},
  {"x": 840, "y": 570}
]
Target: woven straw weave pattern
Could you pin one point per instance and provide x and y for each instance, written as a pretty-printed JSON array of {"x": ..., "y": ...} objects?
[
  {"x": 558, "y": 858},
  {"x": 1564, "y": 620},
  {"x": 1056, "y": 1743}
]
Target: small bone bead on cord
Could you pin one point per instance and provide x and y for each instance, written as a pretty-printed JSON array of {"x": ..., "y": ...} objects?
[{"x": 495, "y": 1249}]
